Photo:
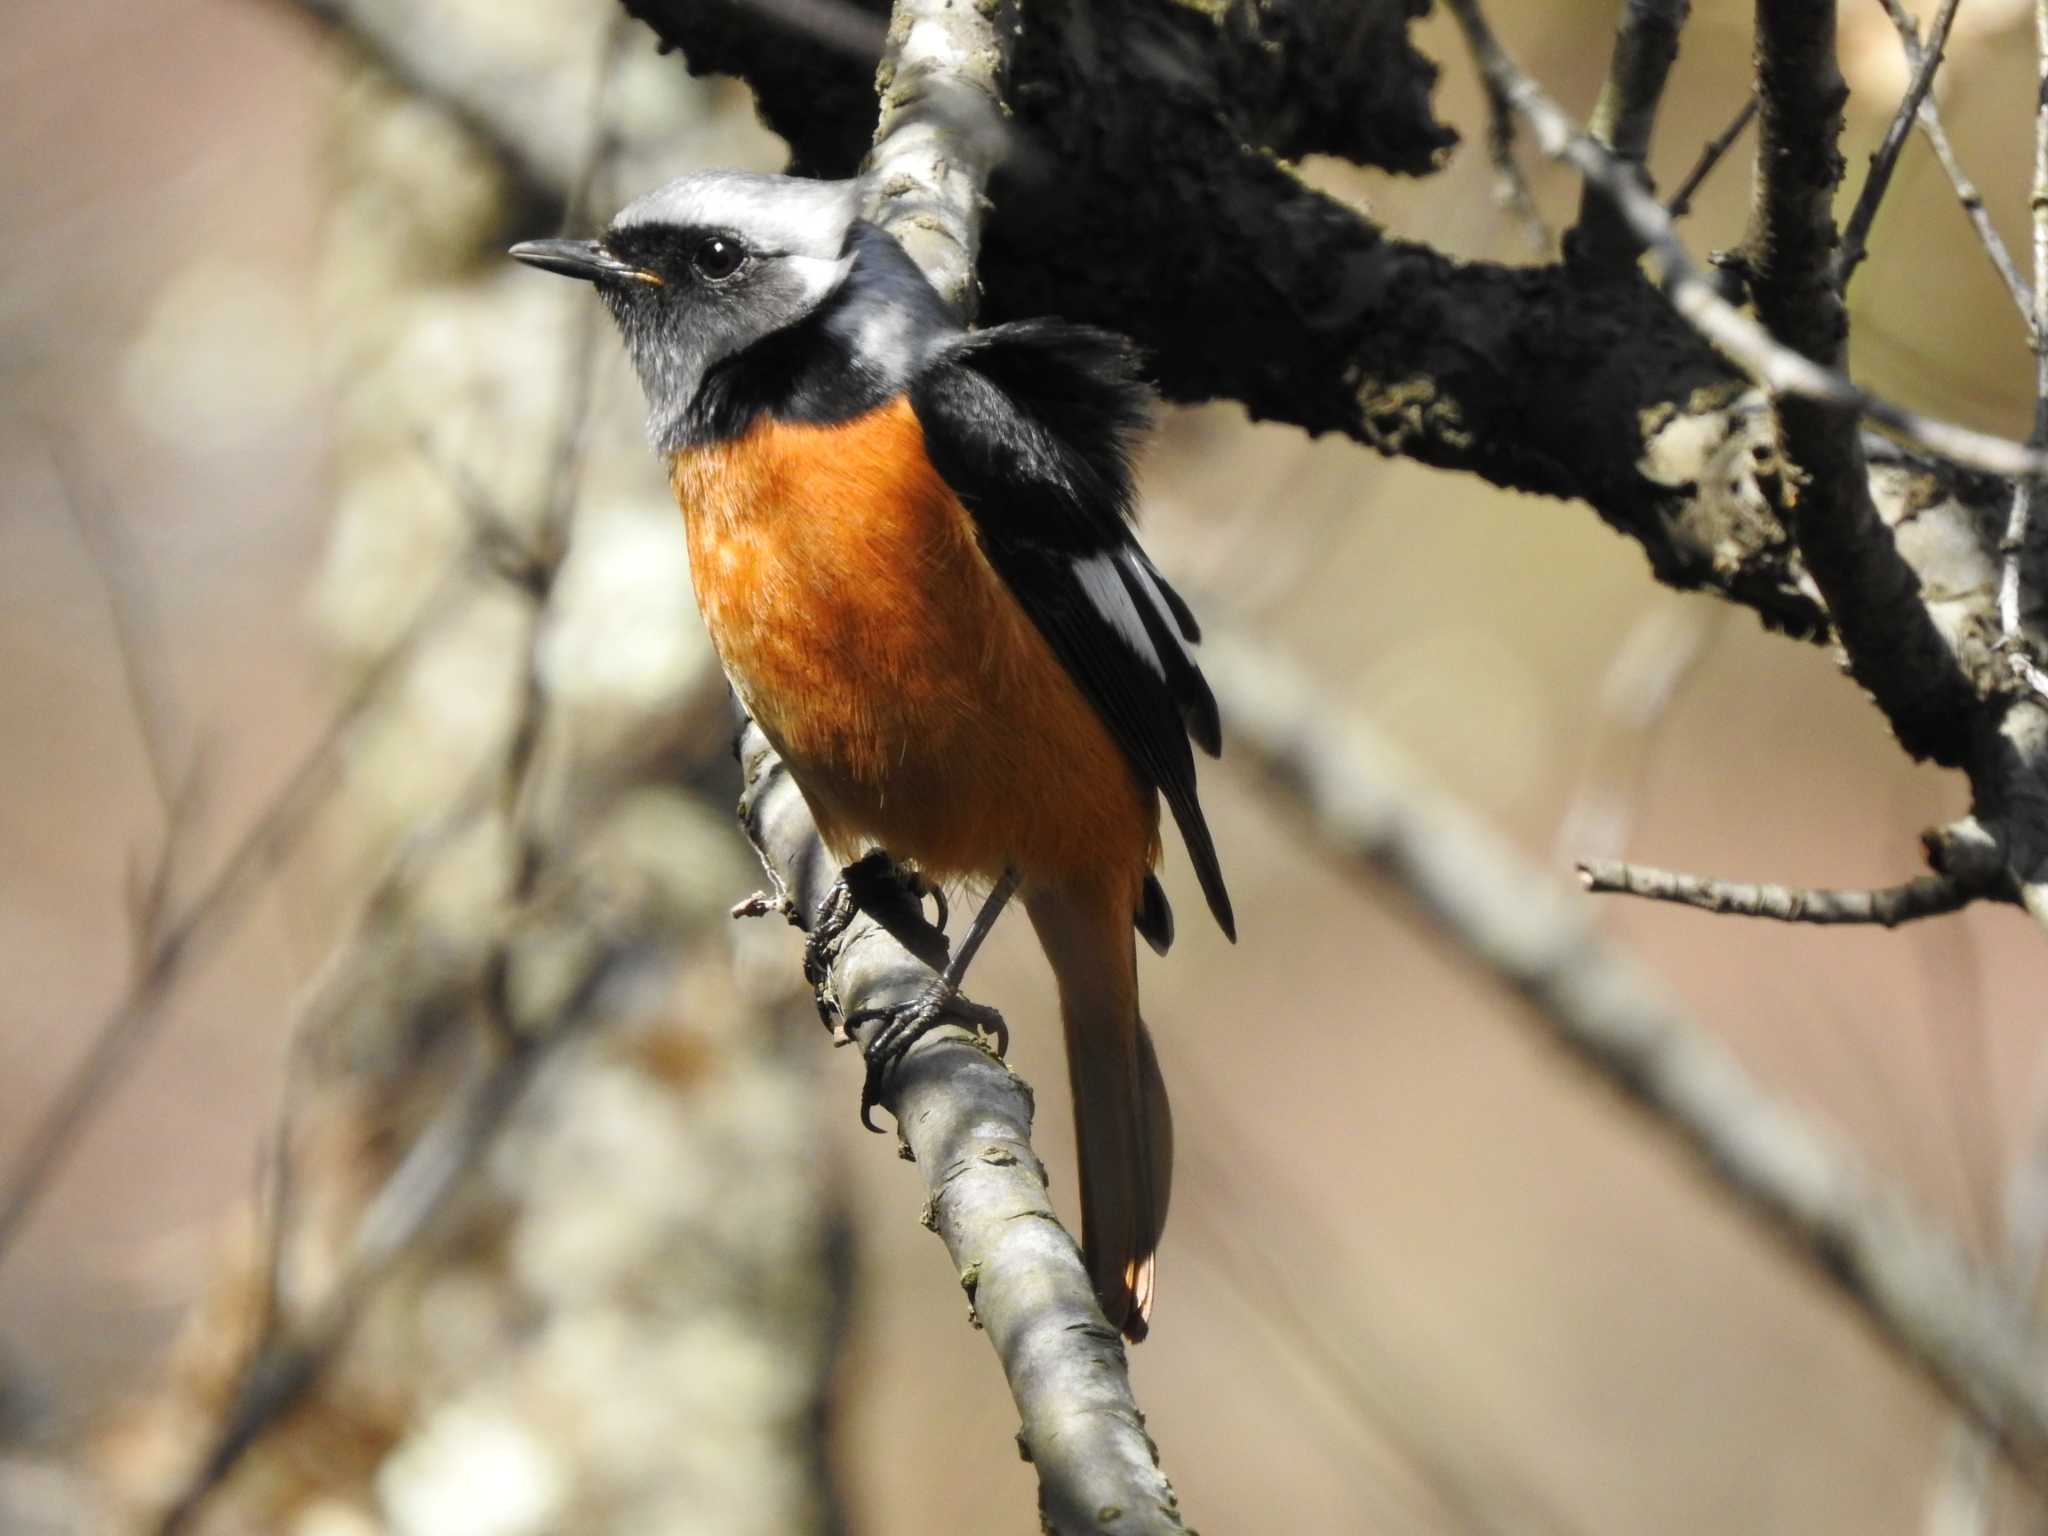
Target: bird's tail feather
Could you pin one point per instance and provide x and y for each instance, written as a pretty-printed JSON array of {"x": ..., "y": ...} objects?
[{"x": 1122, "y": 1123}]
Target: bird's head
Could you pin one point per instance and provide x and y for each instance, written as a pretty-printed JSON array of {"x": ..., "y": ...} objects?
[{"x": 700, "y": 270}]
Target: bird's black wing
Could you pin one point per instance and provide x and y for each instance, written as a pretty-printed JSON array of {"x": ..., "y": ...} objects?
[{"x": 1032, "y": 424}]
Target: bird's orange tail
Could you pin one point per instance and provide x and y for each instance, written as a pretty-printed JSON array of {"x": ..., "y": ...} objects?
[{"x": 1122, "y": 1124}]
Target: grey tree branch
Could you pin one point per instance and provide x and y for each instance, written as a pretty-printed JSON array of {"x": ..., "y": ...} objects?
[
  {"x": 966, "y": 1120},
  {"x": 941, "y": 134},
  {"x": 1886, "y": 906},
  {"x": 2020, "y": 566},
  {"x": 1625, "y": 116},
  {"x": 1972, "y": 201},
  {"x": 964, "y": 1117},
  {"x": 1511, "y": 189},
  {"x": 1856, "y": 234},
  {"x": 1907, "y": 1279},
  {"x": 209, "y": 913}
]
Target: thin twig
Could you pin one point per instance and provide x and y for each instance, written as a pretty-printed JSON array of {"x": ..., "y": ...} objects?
[
  {"x": 1908, "y": 1280},
  {"x": 1697, "y": 298},
  {"x": 1625, "y": 116},
  {"x": 1856, "y": 233},
  {"x": 1511, "y": 190},
  {"x": 2013, "y": 575},
  {"x": 1886, "y": 906},
  {"x": 1936, "y": 134},
  {"x": 1660, "y": 654},
  {"x": 206, "y": 916},
  {"x": 1710, "y": 156},
  {"x": 290, "y": 1359}
]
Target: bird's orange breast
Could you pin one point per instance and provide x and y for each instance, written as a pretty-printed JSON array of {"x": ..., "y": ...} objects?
[{"x": 912, "y": 697}]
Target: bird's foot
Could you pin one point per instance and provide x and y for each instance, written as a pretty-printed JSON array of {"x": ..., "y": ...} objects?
[
  {"x": 877, "y": 885},
  {"x": 906, "y": 1023}
]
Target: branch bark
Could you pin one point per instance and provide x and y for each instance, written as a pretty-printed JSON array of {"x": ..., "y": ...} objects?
[
  {"x": 1625, "y": 116},
  {"x": 1874, "y": 595},
  {"x": 965, "y": 1120}
]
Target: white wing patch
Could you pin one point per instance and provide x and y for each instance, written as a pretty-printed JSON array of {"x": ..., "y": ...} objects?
[{"x": 1112, "y": 601}]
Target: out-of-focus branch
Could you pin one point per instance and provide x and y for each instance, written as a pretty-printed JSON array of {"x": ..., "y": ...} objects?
[
  {"x": 424, "y": 52},
  {"x": 1511, "y": 188},
  {"x": 1710, "y": 156},
  {"x": 289, "y": 1360},
  {"x": 966, "y": 1120},
  {"x": 1645, "y": 45},
  {"x": 1660, "y": 654},
  {"x": 1908, "y": 1280},
  {"x": 1885, "y": 906},
  {"x": 208, "y": 914},
  {"x": 1856, "y": 233}
]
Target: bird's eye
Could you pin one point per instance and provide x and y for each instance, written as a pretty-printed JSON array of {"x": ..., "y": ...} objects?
[{"x": 717, "y": 258}]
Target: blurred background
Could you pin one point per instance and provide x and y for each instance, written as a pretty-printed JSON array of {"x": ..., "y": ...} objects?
[{"x": 261, "y": 366}]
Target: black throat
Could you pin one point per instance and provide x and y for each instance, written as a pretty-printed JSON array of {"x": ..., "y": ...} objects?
[{"x": 856, "y": 352}]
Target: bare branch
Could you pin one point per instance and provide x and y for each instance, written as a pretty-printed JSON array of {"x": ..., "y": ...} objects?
[
  {"x": 1746, "y": 344},
  {"x": 1856, "y": 233},
  {"x": 1660, "y": 654},
  {"x": 1511, "y": 189},
  {"x": 2020, "y": 562},
  {"x": 1972, "y": 201},
  {"x": 1710, "y": 156},
  {"x": 964, "y": 1117},
  {"x": 205, "y": 918},
  {"x": 941, "y": 134},
  {"x": 965, "y": 1120},
  {"x": 411, "y": 45},
  {"x": 1906, "y": 1278},
  {"x": 291, "y": 1358},
  {"x": 1886, "y": 906},
  {"x": 1645, "y": 45}
]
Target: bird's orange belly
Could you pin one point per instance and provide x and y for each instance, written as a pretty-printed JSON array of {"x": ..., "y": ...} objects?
[{"x": 915, "y": 702}]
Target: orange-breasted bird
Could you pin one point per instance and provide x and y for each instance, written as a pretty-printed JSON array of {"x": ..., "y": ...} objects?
[{"x": 912, "y": 546}]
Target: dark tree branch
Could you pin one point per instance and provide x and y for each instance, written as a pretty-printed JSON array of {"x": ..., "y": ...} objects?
[
  {"x": 1894, "y": 648},
  {"x": 1856, "y": 235},
  {"x": 1625, "y": 116},
  {"x": 965, "y": 1119},
  {"x": 1710, "y": 156}
]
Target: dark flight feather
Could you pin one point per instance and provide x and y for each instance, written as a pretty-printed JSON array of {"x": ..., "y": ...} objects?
[{"x": 1032, "y": 426}]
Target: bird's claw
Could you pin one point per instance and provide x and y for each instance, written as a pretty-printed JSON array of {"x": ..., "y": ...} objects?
[
  {"x": 874, "y": 884},
  {"x": 906, "y": 1023}
]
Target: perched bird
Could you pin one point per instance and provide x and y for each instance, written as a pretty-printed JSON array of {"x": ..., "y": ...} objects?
[{"x": 912, "y": 546}]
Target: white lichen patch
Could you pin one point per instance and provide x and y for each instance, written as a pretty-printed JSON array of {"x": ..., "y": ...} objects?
[{"x": 470, "y": 1471}]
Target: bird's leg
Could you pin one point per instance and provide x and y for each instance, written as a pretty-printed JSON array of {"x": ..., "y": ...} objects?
[
  {"x": 904, "y": 1024},
  {"x": 876, "y": 885}
]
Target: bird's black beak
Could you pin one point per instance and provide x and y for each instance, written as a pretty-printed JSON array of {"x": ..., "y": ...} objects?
[{"x": 587, "y": 259}]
